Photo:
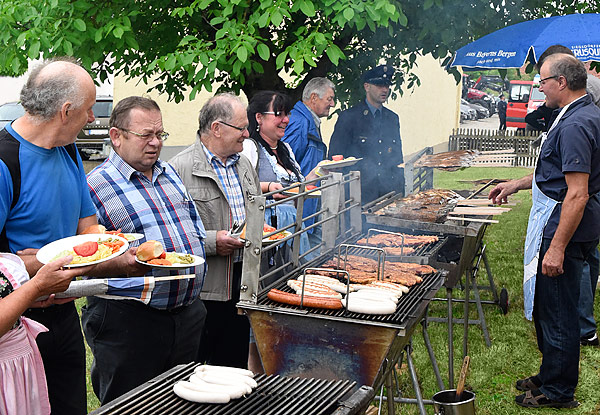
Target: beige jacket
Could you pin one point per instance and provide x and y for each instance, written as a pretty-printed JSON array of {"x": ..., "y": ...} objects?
[{"x": 205, "y": 188}]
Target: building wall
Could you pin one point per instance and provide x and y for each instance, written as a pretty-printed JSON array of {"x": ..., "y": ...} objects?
[{"x": 428, "y": 113}]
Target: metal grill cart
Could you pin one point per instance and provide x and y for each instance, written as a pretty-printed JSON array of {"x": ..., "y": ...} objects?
[
  {"x": 275, "y": 395},
  {"x": 329, "y": 344},
  {"x": 462, "y": 254}
]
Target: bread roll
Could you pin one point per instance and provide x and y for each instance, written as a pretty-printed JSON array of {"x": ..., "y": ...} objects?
[
  {"x": 149, "y": 250},
  {"x": 94, "y": 229}
]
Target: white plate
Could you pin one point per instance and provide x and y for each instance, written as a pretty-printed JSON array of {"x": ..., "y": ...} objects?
[
  {"x": 197, "y": 261},
  {"x": 266, "y": 241},
  {"x": 331, "y": 165},
  {"x": 134, "y": 236},
  {"x": 48, "y": 252}
]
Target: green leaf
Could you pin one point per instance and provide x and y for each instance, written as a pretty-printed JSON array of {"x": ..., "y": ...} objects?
[
  {"x": 427, "y": 4},
  {"x": 263, "y": 20},
  {"x": 276, "y": 18},
  {"x": 348, "y": 13},
  {"x": 403, "y": 20},
  {"x": 16, "y": 65},
  {"x": 242, "y": 53},
  {"x": 118, "y": 32},
  {"x": 171, "y": 61},
  {"x": 68, "y": 48},
  {"x": 79, "y": 25},
  {"x": 132, "y": 42},
  {"x": 280, "y": 61},
  {"x": 308, "y": 8},
  {"x": 98, "y": 35},
  {"x": 257, "y": 67},
  {"x": 34, "y": 50},
  {"x": 263, "y": 51},
  {"x": 21, "y": 39}
]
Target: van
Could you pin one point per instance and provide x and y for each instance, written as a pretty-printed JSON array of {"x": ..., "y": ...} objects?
[
  {"x": 93, "y": 139},
  {"x": 523, "y": 98}
]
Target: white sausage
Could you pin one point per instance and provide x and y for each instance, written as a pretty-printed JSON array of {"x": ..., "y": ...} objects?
[
  {"x": 239, "y": 371},
  {"x": 234, "y": 392},
  {"x": 361, "y": 305},
  {"x": 381, "y": 291},
  {"x": 228, "y": 379},
  {"x": 373, "y": 295},
  {"x": 313, "y": 289},
  {"x": 391, "y": 286},
  {"x": 332, "y": 283},
  {"x": 184, "y": 392}
]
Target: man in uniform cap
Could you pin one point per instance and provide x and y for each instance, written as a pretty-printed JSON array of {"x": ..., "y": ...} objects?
[{"x": 371, "y": 131}]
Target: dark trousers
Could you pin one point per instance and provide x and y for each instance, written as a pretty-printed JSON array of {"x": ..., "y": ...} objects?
[
  {"x": 589, "y": 281},
  {"x": 556, "y": 318},
  {"x": 502, "y": 121},
  {"x": 63, "y": 354},
  {"x": 133, "y": 343},
  {"x": 226, "y": 337}
]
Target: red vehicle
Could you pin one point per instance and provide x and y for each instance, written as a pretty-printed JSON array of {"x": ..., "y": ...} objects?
[{"x": 523, "y": 98}]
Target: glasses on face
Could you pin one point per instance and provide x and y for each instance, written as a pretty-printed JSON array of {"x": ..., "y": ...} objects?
[
  {"x": 148, "y": 136},
  {"x": 240, "y": 129},
  {"x": 543, "y": 81},
  {"x": 276, "y": 113}
]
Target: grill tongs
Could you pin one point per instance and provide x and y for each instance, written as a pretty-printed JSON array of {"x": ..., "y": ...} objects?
[{"x": 339, "y": 270}]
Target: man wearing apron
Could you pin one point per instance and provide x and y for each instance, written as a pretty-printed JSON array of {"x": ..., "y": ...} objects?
[{"x": 563, "y": 230}]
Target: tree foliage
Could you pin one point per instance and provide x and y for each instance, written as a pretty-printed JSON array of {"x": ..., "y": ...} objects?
[{"x": 245, "y": 44}]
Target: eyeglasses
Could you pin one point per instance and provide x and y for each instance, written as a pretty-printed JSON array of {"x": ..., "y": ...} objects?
[
  {"x": 148, "y": 136},
  {"x": 276, "y": 113},
  {"x": 542, "y": 81},
  {"x": 240, "y": 129}
]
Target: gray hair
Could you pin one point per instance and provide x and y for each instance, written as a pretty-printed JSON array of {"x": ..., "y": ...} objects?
[
  {"x": 573, "y": 70},
  {"x": 218, "y": 108},
  {"x": 43, "y": 96},
  {"x": 317, "y": 86}
]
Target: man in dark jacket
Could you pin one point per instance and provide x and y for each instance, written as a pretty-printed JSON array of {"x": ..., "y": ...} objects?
[
  {"x": 371, "y": 131},
  {"x": 502, "y": 113}
]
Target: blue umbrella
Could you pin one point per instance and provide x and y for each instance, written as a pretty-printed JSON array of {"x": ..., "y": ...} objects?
[{"x": 511, "y": 46}]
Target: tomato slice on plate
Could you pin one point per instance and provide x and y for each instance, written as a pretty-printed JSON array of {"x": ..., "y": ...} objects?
[{"x": 86, "y": 249}]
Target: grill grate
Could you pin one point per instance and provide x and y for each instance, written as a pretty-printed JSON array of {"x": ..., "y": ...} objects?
[
  {"x": 421, "y": 255},
  {"x": 275, "y": 395},
  {"x": 408, "y": 305}
]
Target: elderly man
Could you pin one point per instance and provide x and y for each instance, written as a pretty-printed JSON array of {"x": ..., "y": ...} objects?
[
  {"x": 563, "y": 229},
  {"x": 220, "y": 181},
  {"x": 135, "y": 191},
  {"x": 371, "y": 131},
  {"x": 44, "y": 197}
]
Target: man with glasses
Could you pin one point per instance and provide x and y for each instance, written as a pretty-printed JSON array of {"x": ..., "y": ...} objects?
[
  {"x": 220, "y": 181},
  {"x": 563, "y": 229},
  {"x": 136, "y": 192}
]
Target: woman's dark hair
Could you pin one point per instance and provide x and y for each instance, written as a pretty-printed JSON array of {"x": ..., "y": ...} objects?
[{"x": 267, "y": 101}]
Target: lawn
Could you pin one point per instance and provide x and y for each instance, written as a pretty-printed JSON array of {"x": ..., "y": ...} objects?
[{"x": 513, "y": 353}]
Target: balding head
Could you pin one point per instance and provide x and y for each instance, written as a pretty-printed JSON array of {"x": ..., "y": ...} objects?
[
  {"x": 54, "y": 83},
  {"x": 218, "y": 108},
  {"x": 569, "y": 67}
]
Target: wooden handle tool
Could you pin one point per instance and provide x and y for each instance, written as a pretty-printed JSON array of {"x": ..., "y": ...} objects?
[{"x": 461, "y": 380}]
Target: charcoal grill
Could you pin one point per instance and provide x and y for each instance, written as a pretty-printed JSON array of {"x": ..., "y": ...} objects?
[
  {"x": 325, "y": 344},
  {"x": 275, "y": 395},
  {"x": 472, "y": 252}
]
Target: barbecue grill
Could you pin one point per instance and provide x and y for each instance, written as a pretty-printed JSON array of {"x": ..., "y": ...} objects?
[
  {"x": 327, "y": 344},
  {"x": 466, "y": 240},
  {"x": 275, "y": 395}
]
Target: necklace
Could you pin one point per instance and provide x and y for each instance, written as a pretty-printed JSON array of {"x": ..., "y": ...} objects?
[{"x": 274, "y": 148}]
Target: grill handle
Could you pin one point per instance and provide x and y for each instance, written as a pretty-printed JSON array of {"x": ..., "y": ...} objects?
[{"x": 357, "y": 403}]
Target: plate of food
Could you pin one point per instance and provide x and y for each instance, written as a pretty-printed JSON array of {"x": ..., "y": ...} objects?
[
  {"x": 86, "y": 249},
  {"x": 153, "y": 254},
  {"x": 294, "y": 191},
  {"x": 100, "y": 229},
  {"x": 275, "y": 237},
  {"x": 338, "y": 162}
]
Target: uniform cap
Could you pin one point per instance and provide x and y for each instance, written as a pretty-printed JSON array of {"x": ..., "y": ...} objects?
[{"x": 380, "y": 75}]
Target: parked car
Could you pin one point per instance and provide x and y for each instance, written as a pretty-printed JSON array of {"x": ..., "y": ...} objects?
[
  {"x": 93, "y": 139},
  {"x": 10, "y": 111},
  {"x": 481, "y": 112},
  {"x": 467, "y": 113}
]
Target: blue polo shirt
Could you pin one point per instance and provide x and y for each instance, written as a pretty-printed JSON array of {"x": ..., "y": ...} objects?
[{"x": 573, "y": 146}]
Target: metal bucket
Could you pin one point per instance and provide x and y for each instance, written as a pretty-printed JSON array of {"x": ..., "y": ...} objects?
[{"x": 445, "y": 403}]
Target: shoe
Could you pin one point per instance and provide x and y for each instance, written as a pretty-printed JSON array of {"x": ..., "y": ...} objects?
[
  {"x": 590, "y": 341},
  {"x": 532, "y": 382},
  {"x": 536, "y": 399}
]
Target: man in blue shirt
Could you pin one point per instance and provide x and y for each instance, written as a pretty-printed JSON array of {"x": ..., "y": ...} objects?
[
  {"x": 44, "y": 197},
  {"x": 563, "y": 229},
  {"x": 133, "y": 190}
]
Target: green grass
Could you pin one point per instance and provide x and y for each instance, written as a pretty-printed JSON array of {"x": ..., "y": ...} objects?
[{"x": 513, "y": 353}]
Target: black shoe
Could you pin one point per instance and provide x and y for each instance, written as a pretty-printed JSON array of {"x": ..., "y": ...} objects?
[
  {"x": 536, "y": 399},
  {"x": 532, "y": 382},
  {"x": 590, "y": 341}
]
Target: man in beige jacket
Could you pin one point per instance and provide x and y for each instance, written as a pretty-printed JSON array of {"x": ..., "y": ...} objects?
[{"x": 220, "y": 180}]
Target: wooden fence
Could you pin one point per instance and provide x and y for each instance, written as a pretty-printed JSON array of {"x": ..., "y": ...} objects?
[{"x": 522, "y": 145}]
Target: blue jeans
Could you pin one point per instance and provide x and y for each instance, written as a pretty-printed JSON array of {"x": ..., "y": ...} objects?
[
  {"x": 556, "y": 318},
  {"x": 589, "y": 280}
]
